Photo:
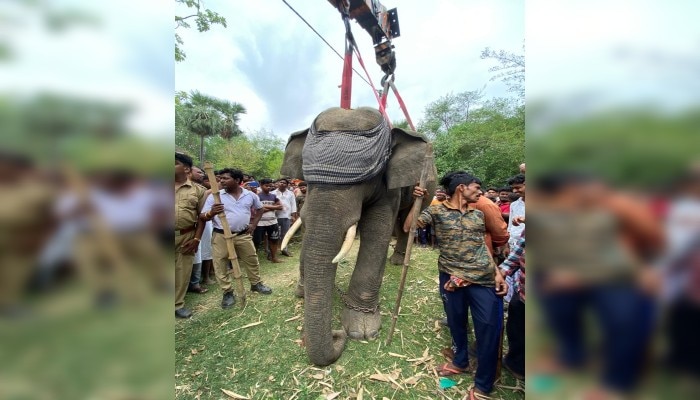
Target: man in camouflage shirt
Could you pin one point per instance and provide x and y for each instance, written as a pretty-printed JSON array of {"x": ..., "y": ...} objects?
[{"x": 468, "y": 278}]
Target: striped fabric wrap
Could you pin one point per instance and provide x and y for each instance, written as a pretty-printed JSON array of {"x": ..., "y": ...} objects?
[{"x": 344, "y": 157}]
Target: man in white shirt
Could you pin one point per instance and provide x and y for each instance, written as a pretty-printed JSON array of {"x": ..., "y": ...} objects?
[
  {"x": 237, "y": 203},
  {"x": 288, "y": 214}
]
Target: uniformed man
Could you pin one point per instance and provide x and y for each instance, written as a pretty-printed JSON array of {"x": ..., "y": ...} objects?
[
  {"x": 22, "y": 234},
  {"x": 189, "y": 200}
]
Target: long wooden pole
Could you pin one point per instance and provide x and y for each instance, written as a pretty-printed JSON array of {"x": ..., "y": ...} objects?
[
  {"x": 415, "y": 211},
  {"x": 237, "y": 275}
]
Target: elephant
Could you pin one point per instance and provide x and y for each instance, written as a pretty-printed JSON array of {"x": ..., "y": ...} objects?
[{"x": 360, "y": 173}]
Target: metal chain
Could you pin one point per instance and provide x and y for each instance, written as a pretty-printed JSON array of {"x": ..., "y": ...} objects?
[{"x": 366, "y": 310}]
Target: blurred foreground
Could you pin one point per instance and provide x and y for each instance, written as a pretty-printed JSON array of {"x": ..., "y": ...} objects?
[{"x": 85, "y": 278}]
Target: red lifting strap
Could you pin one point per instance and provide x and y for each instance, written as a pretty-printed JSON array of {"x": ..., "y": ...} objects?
[
  {"x": 402, "y": 105},
  {"x": 346, "y": 86}
]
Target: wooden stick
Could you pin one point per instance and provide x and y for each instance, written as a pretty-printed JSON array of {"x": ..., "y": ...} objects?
[
  {"x": 237, "y": 275},
  {"x": 427, "y": 166}
]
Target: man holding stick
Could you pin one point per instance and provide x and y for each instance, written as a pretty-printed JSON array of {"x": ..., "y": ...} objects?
[
  {"x": 237, "y": 204},
  {"x": 468, "y": 278}
]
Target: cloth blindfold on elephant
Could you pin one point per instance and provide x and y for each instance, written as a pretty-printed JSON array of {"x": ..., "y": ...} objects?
[{"x": 360, "y": 173}]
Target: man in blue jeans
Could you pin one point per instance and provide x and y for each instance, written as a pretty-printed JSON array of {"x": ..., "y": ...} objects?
[{"x": 468, "y": 278}]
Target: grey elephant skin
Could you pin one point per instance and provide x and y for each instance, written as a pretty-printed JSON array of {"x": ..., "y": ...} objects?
[{"x": 378, "y": 205}]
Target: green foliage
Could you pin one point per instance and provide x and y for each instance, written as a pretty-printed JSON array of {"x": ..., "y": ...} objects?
[
  {"x": 199, "y": 115},
  {"x": 444, "y": 113},
  {"x": 260, "y": 154},
  {"x": 486, "y": 139},
  {"x": 403, "y": 124},
  {"x": 640, "y": 148},
  {"x": 204, "y": 19}
]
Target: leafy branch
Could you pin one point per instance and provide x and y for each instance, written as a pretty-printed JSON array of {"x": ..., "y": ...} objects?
[{"x": 204, "y": 19}]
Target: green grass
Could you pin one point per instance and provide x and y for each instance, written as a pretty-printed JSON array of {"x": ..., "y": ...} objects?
[
  {"x": 214, "y": 352},
  {"x": 66, "y": 349}
]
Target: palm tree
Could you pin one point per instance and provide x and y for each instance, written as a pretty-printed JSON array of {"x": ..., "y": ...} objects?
[{"x": 206, "y": 116}]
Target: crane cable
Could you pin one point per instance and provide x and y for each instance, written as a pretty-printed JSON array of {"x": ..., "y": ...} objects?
[
  {"x": 322, "y": 38},
  {"x": 346, "y": 86}
]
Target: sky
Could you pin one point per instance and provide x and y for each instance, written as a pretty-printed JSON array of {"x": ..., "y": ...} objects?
[
  {"x": 268, "y": 60},
  {"x": 597, "y": 52},
  {"x": 611, "y": 53}
]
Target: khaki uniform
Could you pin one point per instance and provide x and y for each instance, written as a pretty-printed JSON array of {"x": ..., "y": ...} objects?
[
  {"x": 23, "y": 222},
  {"x": 246, "y": 257},
  {"x": 189, "y": 199}
]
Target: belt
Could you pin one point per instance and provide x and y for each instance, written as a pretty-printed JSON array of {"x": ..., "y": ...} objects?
[
  {"x": 221, "y": 231},
  {"x": 179, "y": 232}
]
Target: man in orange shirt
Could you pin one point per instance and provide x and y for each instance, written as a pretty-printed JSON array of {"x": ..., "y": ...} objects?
[{"x": 440, "y": 196}]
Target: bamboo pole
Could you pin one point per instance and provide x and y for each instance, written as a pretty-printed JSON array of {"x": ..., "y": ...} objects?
[
  {"x": 237, "y": 275},
  {"x": 415, "y": 211}
]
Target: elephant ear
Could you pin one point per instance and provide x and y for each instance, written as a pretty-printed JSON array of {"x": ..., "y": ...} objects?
[
  {"x": 407, "y": 159},
  {"x": 292, "y": 164}
]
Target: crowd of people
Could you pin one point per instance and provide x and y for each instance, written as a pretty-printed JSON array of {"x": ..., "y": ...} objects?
[{"x": 259, "y": 214}]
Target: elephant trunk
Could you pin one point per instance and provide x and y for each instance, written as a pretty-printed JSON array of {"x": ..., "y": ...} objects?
[{"x": 322, "y": 241}]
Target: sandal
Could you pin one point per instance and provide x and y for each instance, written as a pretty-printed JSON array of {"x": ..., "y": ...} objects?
[
  {"x": 448, "y": 369},
  {"x": 448, "y": 354},
  {"x": 473, "y": 395}
]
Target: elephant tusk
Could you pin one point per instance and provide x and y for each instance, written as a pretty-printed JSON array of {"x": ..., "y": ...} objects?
[
  {"x": 347, "y": 244},
  {"x": 292, "y": 230}
]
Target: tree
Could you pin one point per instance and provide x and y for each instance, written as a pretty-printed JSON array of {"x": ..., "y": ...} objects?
[
  {"x": 444, "y": 113},
  {"x": 259, "y": 154},
  {"x": 206, "y": 116},
  {"x": 204, "y": 19},
  {"x": 637, "y": 147},
  {"x": 510, "y": 69},
  {"x": 490, "y": 145},
  {"x": 403, "y": 124}
]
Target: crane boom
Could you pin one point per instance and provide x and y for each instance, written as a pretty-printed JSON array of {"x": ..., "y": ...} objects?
[{"x": 381, "y": 24}]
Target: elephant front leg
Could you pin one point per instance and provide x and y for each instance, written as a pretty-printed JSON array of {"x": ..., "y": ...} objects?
[
  {"x": 361, "y": 325},
  {"x": 360, "y": 316}
]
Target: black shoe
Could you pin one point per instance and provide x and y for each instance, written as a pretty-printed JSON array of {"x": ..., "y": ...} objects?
[
  {"x": 260, "y": 288},
  {"x": 286, "y": 253},
  {"x": 183, "y": 313},
  {"x": 228, "y": 301}
]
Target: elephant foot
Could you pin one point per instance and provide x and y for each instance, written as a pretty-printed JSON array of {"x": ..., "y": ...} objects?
[
  {"x": 299, "y": 291},
  {"x": 360, "y": 325},
  {"x": 397, "y": 258}
]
